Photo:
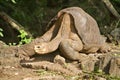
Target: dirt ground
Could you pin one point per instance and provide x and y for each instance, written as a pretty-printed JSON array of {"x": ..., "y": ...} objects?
[{"x": 11, "y": 69}]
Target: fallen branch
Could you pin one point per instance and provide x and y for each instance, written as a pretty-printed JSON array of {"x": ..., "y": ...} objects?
[
  {"x": 111, "y": 8},
  {"x": 49, "y": 66},
  {"x": 13, "y": 23}
]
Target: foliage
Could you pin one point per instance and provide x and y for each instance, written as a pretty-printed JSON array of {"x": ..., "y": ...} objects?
[
  {"x": 13, "y": 1},
  {"x": 34, "y": 15},
  {"x": 23, "y": 37},
  {"x": 1, "y": 34},
  {"x": 12, "y": 44},
  {"x": 116, "y": 4},
  {"x": 117, "y": 1}
]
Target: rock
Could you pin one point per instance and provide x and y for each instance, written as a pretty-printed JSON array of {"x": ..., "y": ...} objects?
[
  {"x": 48, "y": 66},
  {"x": 74, "y": 69},
  {"x": 116, "y": 35},
  {"x": 104, "y": 62},
  {"x": 115, "y": 67},
  {"x": 110, "y": 64},
  {"x": 59, "y": 59},
  {"x": 88, "y": 65},
  {"x": 2, "y": 44}
]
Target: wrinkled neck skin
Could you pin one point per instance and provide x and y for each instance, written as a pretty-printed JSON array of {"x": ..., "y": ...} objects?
[
  {"x": 52, "y": 46},
  {"x": 63, "y": 33},
  {"x": 54, "y": 43}
]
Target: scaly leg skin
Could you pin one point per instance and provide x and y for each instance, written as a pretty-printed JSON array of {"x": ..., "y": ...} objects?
[
  {"x": 70, "y": 49},
  {"x": 47, "y": 47}
]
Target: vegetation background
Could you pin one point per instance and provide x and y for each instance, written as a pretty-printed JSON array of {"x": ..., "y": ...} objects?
[{"x": 34, "y": 15}]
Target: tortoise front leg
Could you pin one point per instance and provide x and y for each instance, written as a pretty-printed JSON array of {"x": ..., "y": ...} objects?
[{"x": 70, "y": 49}]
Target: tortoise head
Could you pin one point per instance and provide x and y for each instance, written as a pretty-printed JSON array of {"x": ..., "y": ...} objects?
[{"x": 42, "y": 48}]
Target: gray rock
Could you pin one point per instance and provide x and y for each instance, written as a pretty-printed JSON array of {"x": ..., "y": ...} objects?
[
  {"x": 110, "y": 64},
  {"x": 115, "y": 67},
  {"x": 59, "y": 59},
  {"x": 116, "y": 35},
  {"x": 88, "y": 65},
  {"x": 104, "y": 62}
]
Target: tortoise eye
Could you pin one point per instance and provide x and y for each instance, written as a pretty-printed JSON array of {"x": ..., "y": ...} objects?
[{"x": 38, "y": 46}]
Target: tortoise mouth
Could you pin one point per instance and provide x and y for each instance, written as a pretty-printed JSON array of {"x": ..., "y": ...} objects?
[{"x": 43, "y": 51}]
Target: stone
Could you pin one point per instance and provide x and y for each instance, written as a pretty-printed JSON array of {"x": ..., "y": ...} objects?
[
  {"x": 88, "y": 65},
  {"x": 59, "y": 59},
  {"x": 115, "y": 67},
  {"x": 116, "y": 35},
  {"x": 104, "y": 62}
]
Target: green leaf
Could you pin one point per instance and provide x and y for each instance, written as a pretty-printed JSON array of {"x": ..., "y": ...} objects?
[
  {"x": 1, "y": 29},
  {"x": 1, "y": 34},
  {"x": 13, "y": 1},
  {"x": 23, "y": 36}
]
